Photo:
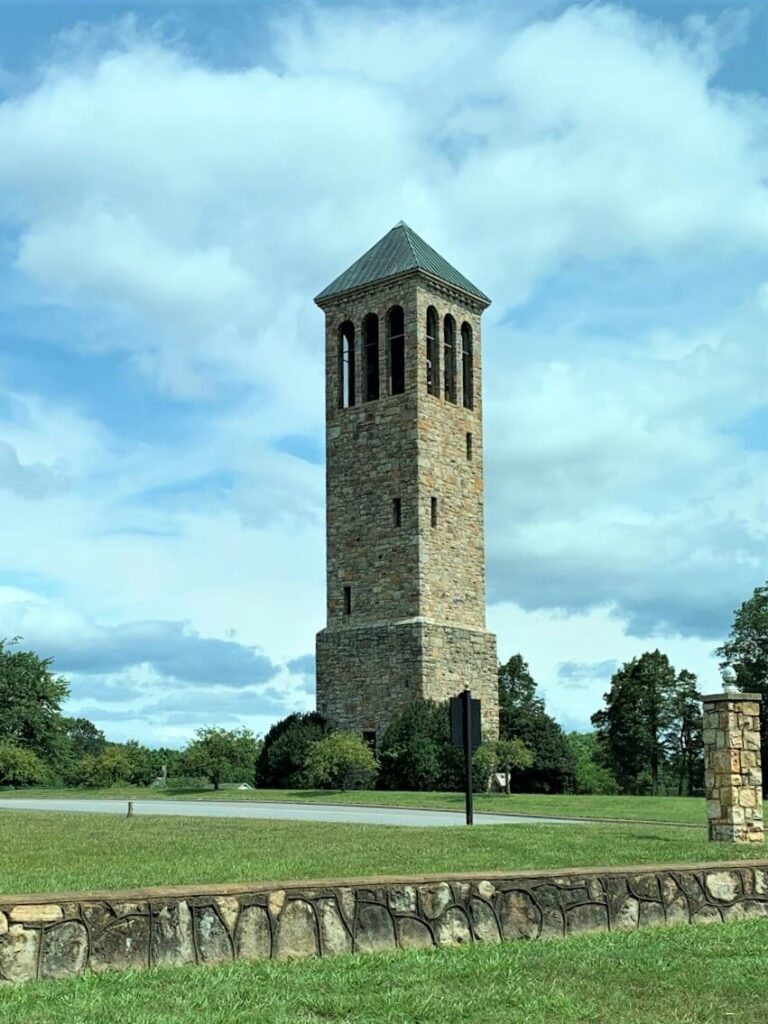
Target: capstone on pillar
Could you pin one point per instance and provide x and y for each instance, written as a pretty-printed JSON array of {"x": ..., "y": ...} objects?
[{"x": 732, "y": 769}]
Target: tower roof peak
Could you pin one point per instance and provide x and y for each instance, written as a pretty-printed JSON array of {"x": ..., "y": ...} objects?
[{"x": 401, "y": 250}]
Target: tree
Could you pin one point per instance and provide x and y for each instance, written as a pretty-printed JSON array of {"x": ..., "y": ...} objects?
[
  {"x": 338, "y": 757},
  {"x": 502, "y": 756},
  {"x": 633, "y": 728},
  {"x": 746, "y": 649},
  {"x": 283, "y": 756},
  {"x": 684, "y": 743},
  {"x": 522, "y": 716},
  {"x": 747, "y": 645},
  {"x": 416, "y": 750},
  {"x": 222, "y": 755},
  {"x": 30, "y": 703},
  {"x": 590, "y": 774},
  {"x": 102, "y": 770},
  {"x": 20, "y": 767},
  {"x": 83, "y": 737}
]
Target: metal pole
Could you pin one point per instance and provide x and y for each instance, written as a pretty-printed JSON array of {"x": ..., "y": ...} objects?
[{"x": 467, "y": 696}]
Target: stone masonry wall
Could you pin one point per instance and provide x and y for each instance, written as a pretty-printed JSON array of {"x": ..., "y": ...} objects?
[
  {"x": 416, "y": 582},
  {"x": 57, "y": 936},
  {"x": 732, "y": 769}
]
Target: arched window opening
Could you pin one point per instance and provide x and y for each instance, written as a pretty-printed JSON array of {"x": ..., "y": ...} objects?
[
  {"x": 371, "y": 343},
  {"x": 396, "y": 351},
  {"x": 433, "y": 377},
  {"x": 467, "y": 381},
  {"x": 449, "y": 359},
  {"x": 347, "y": 364}
]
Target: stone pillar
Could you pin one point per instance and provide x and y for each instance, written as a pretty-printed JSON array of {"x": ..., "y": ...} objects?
[{"x": 732, "y": 772}]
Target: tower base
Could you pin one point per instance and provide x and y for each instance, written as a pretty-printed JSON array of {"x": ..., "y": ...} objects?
[{"x": 366, "y": 674}]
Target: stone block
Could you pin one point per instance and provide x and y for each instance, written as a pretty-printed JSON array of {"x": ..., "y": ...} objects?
[
  {"x": 213, "y": 941},
  {"x": 172, "y": 942},
  {"x": 589, "y": 917},
  {"x": 253, "y": 935},
  {"x": 296, "y": 934},
  {"x": 334, "y": 935},
  {"x": 18, "y": 953},
  {"x": 64, "y": 950},
  {"x": 628, "y": 915},
  {"x": 413, "y": 934},
  {"x": 435, "y": 898},
  {"x": 402, "y": 899},
  {"x": 122, "y": 945},
  {"x": 452, "y": 928},
  {"x": 723, "y": 886},
  {"x": 519, "y": 916},
  {"x": 374, "y": 929},
  {"x": 36, "y": 913},
  {"x": 651, "y": 915}
]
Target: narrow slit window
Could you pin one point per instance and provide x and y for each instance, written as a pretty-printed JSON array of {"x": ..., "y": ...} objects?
[
  {"x": 371, "y": 349},
  {"x": 433, "y": 511},
  {"x": 369, "y": 737},
  {"x": 396, "y": 511},
  {"x": 467, "y": 370},
  {"x": 347, "y": 600},
  {"x": 433, "y": 375},
  {"x": 347, "y": 364},
  {"x": 449, "y": 359},
  {"x": 396, "y": 351},
  {"x": 469, "y": 447}
]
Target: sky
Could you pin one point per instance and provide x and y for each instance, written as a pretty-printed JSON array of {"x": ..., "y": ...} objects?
[{"x": 178, "y": 180}]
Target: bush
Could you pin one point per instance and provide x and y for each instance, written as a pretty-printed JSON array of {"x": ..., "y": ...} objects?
[
  {"x": 20, "y": 767},
  {"x": 102, "y": 770},
  {"x": 282, "y": 761},
  {"x": 222, "y": 755},
  {"x": 416, "y": 750},
  {"x": 338, "y": 758}
]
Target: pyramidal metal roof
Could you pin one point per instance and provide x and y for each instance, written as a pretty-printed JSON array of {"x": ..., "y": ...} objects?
[{"x": 399, "y": 251}]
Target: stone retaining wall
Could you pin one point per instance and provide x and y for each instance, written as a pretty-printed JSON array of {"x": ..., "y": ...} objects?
[{"x": 54, "y": 936}]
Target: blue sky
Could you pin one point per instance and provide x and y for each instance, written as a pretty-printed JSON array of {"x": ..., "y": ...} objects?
[{"x": 178, "y": 180}]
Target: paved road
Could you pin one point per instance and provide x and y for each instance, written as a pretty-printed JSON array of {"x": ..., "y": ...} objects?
[{"x": 289, "y": 811}]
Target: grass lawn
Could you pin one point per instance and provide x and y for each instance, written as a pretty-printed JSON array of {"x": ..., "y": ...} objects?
[
  {"x": 693, "y": 975},
  {"x": 47, "y": 851},
  {"x": 684, "y": 810}
]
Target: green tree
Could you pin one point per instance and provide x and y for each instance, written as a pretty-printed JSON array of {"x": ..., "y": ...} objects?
[
  {"x": 633, "y": 726},
  {"x": 83, "y": 737},
  {"x": 338, "y": 758},
  {"x": 99, "y": 771},
  {"x": 747, "y": 645},
  {"x": 30, "y": 703},
  {"x": 416, "y": 750},
  {"x": 222, "y": 755},
  {"x": 503, "y": 756},
  {"x": 746, "y": 649},
  {"x": 283, "y": 756},
  {"x": 522, "y": 716},
  {"x": 684, "y": 742},
  {"x": 590, "y": 774},
  {"x": 20, "y": 767}
]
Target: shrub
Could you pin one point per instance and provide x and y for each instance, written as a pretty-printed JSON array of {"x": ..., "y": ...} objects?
[
  {"x": 282, "y": 761},
  {"x": 338, "y": 758}
]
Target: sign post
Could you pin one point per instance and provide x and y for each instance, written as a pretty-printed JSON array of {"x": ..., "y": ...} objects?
[{"x": 465, "y": 733}]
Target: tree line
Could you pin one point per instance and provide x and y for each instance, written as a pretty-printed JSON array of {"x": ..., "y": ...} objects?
[{"x": 646, "y": 739}]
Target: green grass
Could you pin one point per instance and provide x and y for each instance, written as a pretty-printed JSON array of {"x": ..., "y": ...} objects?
[
  {"x": 47, "y": 851},
  {"x": 684, "y": 810},
  {"x": 693, "y": 975}
]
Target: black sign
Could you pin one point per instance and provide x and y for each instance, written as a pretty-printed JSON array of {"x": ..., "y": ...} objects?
[{"x": 457, "y": 721}]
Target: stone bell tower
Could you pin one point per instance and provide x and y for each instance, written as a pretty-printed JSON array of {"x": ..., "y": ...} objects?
[{"x": 404, "y": 487}]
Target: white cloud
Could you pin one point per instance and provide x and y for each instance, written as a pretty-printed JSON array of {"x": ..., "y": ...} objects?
[{"x": 199, "y": 210}]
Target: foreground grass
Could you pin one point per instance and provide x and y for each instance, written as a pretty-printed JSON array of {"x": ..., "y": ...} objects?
[
  {"x": 693, "y": 975},
  {"x": 685, "y": 810},
  {"x": 47, "y": 851}
]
